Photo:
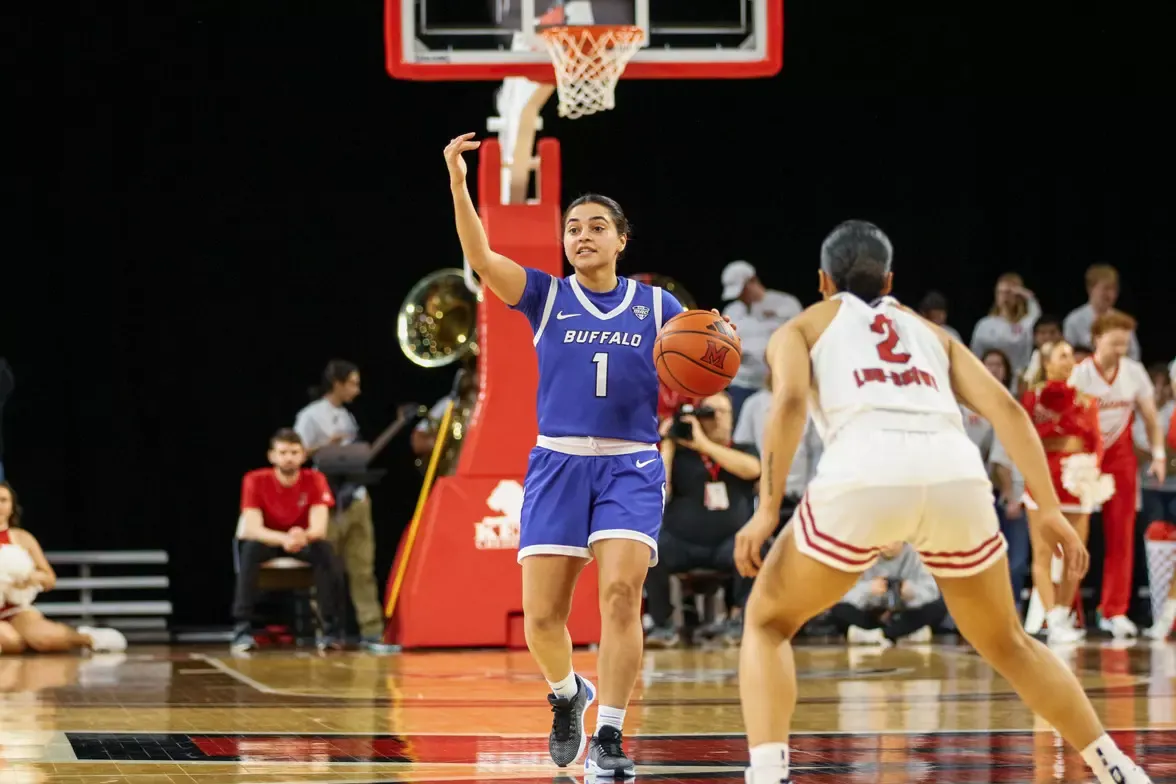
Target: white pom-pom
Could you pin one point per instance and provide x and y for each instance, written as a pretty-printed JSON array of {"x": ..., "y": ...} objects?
[
  {"x": 1082, "y": 476},
  {"x": 16, "y": 567}
]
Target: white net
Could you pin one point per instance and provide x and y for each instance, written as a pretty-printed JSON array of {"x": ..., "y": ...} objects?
[
  {"x": 589, "y": 60},
  {"x": 1161, "y": 567}
]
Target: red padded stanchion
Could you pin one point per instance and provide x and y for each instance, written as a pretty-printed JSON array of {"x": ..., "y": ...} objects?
[{"x": 462, "y": 586}]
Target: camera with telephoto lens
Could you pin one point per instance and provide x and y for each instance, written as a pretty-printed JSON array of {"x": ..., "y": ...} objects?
[
  {"x": 682, "y": 429},
  {"x": 893, "y": 594}
]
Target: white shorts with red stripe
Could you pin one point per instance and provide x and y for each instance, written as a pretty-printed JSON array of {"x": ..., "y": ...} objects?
[{"x": 952, "y": 525}]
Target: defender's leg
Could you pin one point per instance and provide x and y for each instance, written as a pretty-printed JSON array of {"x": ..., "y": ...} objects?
[
  {"x": 982, "y": 606},
  {"x": 789, "y": 590}
]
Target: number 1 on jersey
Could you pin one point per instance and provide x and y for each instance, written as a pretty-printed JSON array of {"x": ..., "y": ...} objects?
[
  {"x": 600, "y": 359},
  {"x": 887, "y": 348}
]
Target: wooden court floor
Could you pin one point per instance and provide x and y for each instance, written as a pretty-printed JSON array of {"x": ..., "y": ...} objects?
[{"x": 932, "y": 713}]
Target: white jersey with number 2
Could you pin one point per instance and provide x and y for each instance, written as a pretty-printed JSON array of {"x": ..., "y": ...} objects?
[{"x": 878, "y": 368}]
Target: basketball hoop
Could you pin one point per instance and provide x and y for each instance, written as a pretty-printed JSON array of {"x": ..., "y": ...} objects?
[{"x": 589, "y": 60}]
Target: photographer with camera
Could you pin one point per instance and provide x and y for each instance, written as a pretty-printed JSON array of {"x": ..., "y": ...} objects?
[
  {"x": 895, "y": 598},
  {"x": 710, "y": 492}
]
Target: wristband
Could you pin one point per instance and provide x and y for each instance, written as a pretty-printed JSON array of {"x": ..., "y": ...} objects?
[{"x": 1158, "y": 453}]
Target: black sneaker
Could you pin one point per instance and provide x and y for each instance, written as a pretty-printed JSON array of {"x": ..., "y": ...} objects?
[
  {"x": 605, "y": 756},
  {"x": 567, "y": 739}
]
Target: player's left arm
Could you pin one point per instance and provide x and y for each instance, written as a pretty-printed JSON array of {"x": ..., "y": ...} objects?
[{"x": 44, "y": 576}]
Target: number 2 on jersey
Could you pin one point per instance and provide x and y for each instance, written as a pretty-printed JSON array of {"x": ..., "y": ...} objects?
[
  {"x": 887, "y": 348},
  {"x": 600, "y": 359}
]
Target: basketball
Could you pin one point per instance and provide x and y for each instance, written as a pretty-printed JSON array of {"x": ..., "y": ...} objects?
[{"x": 697, "y": 353}]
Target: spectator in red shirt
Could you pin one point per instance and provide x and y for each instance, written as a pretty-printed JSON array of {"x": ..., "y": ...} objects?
[{"x": 286, "y": 512}]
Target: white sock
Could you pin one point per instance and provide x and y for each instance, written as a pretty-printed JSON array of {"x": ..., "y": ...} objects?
[
  {"x": 1106, "y": 760},
  {"x": 566, "y": 688},
  {"x": 613, "y": 717},
  {"x": 771, "y": 757}
]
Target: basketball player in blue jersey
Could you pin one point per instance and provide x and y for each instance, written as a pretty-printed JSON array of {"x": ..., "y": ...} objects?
[{"x": 595, "y": 485}]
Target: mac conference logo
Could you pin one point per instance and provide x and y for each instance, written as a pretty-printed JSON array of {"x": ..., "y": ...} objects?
[{"x": 501, "y": 532}]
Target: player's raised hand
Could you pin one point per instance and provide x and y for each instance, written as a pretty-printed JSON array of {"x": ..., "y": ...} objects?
[
  {"x": 453, "y": 159},
  {"x": 1058, "y": 534}
]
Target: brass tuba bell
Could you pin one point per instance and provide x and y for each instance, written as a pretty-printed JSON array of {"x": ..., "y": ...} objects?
[
  {"x": 667, "y": 284},
  {"x": 437, "y": 324}
]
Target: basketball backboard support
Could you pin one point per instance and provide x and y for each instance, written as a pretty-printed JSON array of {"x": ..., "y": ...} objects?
[{"x": 491, "y": 40}]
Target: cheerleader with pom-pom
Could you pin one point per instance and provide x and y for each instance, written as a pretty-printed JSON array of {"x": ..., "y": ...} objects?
[
  {"x": 25, "y": 573},
  {"x": 1067, "y": 423}
]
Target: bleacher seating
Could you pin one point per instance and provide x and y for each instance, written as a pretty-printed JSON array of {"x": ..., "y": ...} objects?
[{"x": 112, "y": 575}]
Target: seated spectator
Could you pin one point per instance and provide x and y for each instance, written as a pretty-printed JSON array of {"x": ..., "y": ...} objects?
[
  {"x": 757, "y": 312},
  {"x": 1009, "y": 325},
  {"x": 1159, "y": 498},
  {"x": 286, "y": 511},
  {"x": 895, "y": 598},
  {"x": 710, "y": 491},
  {"x": 998, "y": 365},
  {"x": 749, "y": 429},
  {"x": 1047, "y": 329},
  {"x": 1102, "y": 289},
  {"x": 22, "y": 626},
  {"x": 933, "y": 307}
]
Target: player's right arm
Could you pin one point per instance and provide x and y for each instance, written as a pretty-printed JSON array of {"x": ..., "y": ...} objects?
[
  {"x": 505, "y": 278},
  {"x": 979, "y": 390}
]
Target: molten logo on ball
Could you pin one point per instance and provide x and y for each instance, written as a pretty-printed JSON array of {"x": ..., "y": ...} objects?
[{"x": 715, "y": 354}]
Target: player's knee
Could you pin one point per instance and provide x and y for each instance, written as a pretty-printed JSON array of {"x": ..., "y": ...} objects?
[
  {"x": 544, "y": 617},
  {"x": 620, "y": 603},
  {"x": 763, "y": 611},
  {"x": 999, "y": 643}
]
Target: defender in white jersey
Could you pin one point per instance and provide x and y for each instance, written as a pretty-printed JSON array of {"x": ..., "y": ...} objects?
[{"x": 886, "y": 387}]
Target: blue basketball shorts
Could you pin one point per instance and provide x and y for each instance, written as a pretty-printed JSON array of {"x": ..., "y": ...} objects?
[{"x": 571, "y": 501}]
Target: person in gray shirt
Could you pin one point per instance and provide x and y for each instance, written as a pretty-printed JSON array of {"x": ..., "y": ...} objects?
[
  {"x": 757, "y": 312},
  {"x": 895, "y": 598},
  {"x": 1009, "y": 326},
  {"x": 933, "y": 307},
  {"x": 1102, "y": 290},
  {"x": 750, "y": 430},
  {"x": 327, "y": 421}
]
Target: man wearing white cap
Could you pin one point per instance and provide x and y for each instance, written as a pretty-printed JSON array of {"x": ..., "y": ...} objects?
[{"x": 757, "y": 312}]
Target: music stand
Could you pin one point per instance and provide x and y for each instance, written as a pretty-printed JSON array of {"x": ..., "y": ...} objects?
[{"x": 350, "y": 462}]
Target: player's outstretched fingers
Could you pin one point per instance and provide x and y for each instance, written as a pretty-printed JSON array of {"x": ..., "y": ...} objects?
[{"x": 725, "y": 318}]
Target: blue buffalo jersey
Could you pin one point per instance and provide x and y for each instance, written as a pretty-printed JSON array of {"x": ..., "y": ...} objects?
[{"x": 596, "y": 373}]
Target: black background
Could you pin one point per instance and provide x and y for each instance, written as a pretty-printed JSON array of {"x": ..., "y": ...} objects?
[{"x": 247, "y": 194}]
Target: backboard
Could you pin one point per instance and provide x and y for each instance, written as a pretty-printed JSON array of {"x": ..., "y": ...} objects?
[{"x": 472, "y": 40}]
